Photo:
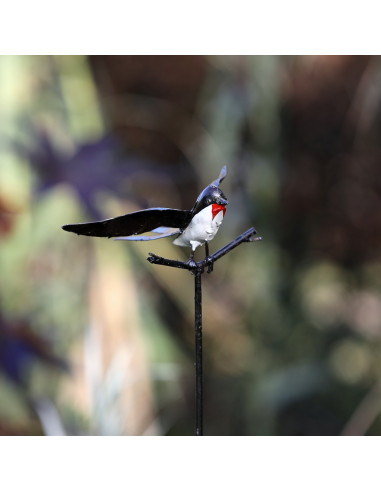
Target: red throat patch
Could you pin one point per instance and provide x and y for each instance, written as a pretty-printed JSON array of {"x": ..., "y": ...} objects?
[{"x": 217, "y": 208}]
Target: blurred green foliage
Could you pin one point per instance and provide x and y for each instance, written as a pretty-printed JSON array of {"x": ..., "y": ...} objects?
[{"x": 292, "y": 325}]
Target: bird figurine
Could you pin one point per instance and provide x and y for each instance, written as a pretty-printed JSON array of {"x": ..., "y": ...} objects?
[{"x": 193, "y": 228}]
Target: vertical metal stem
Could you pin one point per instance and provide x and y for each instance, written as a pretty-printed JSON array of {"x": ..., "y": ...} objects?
[{"x": 198, "y": 339}]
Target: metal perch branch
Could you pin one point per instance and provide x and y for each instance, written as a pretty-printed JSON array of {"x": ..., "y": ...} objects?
[{"x": 200, "y": 265}]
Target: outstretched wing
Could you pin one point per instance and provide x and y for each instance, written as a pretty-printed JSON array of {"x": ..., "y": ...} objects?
[
  {"x": 222, "y": 176},
  {"x": 134, "y": 223}
]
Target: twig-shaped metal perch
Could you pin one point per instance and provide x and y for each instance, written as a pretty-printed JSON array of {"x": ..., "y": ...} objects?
[
  {"x": 197, "y": 269},
  {"x": 200, "y": 265}
]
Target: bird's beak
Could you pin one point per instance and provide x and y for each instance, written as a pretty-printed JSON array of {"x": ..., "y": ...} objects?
[{"x": 222, "y": 201}]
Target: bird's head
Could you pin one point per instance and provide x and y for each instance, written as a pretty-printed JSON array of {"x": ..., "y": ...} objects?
[{"x": 209, "y": 196}]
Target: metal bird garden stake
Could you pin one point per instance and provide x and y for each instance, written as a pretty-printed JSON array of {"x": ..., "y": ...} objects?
[{"x": 192, "y": 228}]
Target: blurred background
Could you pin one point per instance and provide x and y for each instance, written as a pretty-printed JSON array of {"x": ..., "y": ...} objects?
[{"x": 96, "y": 341}]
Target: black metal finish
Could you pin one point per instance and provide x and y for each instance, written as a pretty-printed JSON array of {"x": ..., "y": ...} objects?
[
  {"x": 134, "y": 223},
  {"x": 198, "y": 345}
]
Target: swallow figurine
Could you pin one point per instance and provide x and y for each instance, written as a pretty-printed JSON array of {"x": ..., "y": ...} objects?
[{"x": 193, "y": 227}]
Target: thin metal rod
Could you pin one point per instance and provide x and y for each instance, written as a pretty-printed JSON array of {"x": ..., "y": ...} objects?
[{"x": 198, "y": 344}]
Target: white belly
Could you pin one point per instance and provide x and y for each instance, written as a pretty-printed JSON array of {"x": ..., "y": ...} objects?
[{"x": 201, "y": 229}]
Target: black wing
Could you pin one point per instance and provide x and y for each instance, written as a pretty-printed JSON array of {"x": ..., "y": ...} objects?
[{"x": 134, "y": 223}]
